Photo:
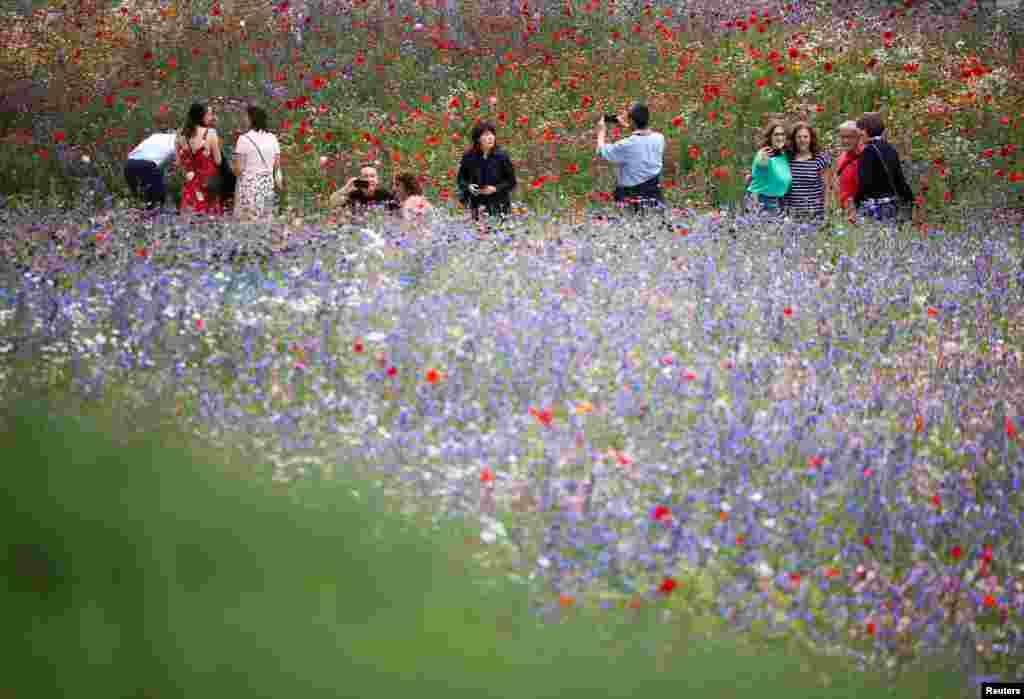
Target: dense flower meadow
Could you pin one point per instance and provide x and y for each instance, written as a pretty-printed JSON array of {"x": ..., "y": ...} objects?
[
  {"x": 349, "y": 83},
  {"x": 789, "y": 432}
]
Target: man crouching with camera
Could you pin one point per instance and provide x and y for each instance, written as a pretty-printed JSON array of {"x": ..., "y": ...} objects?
[
  {"x": 638, "y": 157},
  {"x": 361, "y": 192}
]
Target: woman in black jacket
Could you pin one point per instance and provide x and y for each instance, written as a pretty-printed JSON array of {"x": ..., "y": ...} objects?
[
  {"x": 486, "y": 176},
  {"x": 881, "y": 184}
]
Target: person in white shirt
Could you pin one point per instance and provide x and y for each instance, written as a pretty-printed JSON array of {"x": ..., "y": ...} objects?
[
  {"x": 256, "y": 162},
  {"x": 144, "y": 169},
  {"x": 638, "y": 157}
]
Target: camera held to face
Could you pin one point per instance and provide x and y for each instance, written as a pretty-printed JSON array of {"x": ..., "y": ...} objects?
[{"x": 612, "y": 120}]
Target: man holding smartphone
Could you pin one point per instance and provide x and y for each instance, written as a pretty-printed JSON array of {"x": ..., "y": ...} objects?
[
  {"x": 360, "y": 192},
  {"x": 639, "y": 158}
]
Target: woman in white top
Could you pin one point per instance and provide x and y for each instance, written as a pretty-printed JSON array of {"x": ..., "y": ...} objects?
[{"x": 256, "y": 157}]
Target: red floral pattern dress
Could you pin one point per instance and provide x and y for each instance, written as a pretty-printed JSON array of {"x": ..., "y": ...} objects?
[{"x": 195, "y": 196}]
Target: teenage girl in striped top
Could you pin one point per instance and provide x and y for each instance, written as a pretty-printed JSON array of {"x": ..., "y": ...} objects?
[{"x": 809, "y": 166}]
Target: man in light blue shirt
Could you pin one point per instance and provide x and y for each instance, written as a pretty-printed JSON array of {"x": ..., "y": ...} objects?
[
  {"x": 144, "y": 169},
  {"x": 639, "y": 159}
]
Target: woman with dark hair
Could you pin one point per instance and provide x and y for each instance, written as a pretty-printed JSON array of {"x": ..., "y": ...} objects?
[
  {"x": 809, "y": 166},
  {"x": 414, "y": 205},
  {"x": 771, "y": 176},
  {"x": 880, "y": 181},
  {"x": 197, "y": 153},
  {"x": 486, "y": 176},
  {"x": 257, "y": 164}
]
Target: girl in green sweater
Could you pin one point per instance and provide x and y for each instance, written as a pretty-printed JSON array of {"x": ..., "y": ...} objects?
[{"x": 771, "y": 177}]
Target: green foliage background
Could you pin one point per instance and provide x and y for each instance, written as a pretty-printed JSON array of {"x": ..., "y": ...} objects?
[{"x": 134, "y": 567}]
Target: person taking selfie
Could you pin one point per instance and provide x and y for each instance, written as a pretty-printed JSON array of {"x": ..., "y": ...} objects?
[{"x": 771, "y": 176}]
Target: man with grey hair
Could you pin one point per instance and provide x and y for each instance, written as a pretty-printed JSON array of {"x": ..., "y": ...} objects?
[{"x": 852, "y": 140}]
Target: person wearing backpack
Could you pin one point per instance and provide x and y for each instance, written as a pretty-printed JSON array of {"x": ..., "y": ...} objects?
[
  {"x": 256, "y": 162},
  {"x": 882, "y": 190}
]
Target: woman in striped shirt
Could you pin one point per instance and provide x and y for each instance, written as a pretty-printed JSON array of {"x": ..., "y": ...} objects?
[{"x": 809, "y": 166}]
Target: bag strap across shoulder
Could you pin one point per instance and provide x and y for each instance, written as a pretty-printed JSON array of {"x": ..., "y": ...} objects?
[
  {"x": 886, "y": 168},
  {"x": 257, "y": 149}
]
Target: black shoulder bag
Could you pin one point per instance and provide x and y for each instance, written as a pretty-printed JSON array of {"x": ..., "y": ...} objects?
[{"x": 904, "y": 210}]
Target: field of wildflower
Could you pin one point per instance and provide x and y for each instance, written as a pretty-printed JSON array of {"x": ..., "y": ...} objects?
[{"x": 809, "y": 433}]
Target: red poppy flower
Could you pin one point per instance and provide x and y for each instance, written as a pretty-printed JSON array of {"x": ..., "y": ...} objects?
[
  {"x": 936, "y": 500},
  {"x": 888, "y": 36},
  {"x": 433, "y": 375},
  {"x": 760, "y": 82},
  {"x": 740, "y": 540},
  {"x": 828, "y": 67},
  {"x": 933, "y": 312},
  {"x": 544, "y": 416},
  {"x": 677, "y": 121},
  {"x": 58, "y": 136},
  {"x": 780, "y": 69},
  {"x": 956, "y": 552},
  {"x": 831, "y": 572},
  {"x": 667, "y": 585},
  {"x": 392, "y": 371},
  {"x": 868, "y": 541},
  {"x": 662, "y": 514},
  {"x": 486, "y": 475},
  {"x": 694, "y": 152},
  {"x": 987, "y": 552},
  {"x": 1011, "y": 429},
  {"x": 870, "y": 628},
  {"x": 815, "y": 461},
  {"x": 989, "y": 601},
  {"x": 787, "y": 311},
  {"x": 794, "y": 52},
  {"x": 566, "y": 600},
  {"x": 794, "y": 578},
  {"x": 141, "y": 252}
]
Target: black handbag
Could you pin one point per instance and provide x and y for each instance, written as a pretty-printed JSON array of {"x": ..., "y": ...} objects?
[
  {"x": 904, "y": 209},
  {"x": 223, "y": 183}
]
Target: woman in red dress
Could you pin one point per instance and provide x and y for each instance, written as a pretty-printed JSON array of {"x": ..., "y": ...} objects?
[{"x": 199, "y": 156}]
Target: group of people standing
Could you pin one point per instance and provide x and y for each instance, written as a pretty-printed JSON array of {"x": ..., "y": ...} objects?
[
  {"x": 247, "y": 180},
  {"x": 791, "y": 173}
]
